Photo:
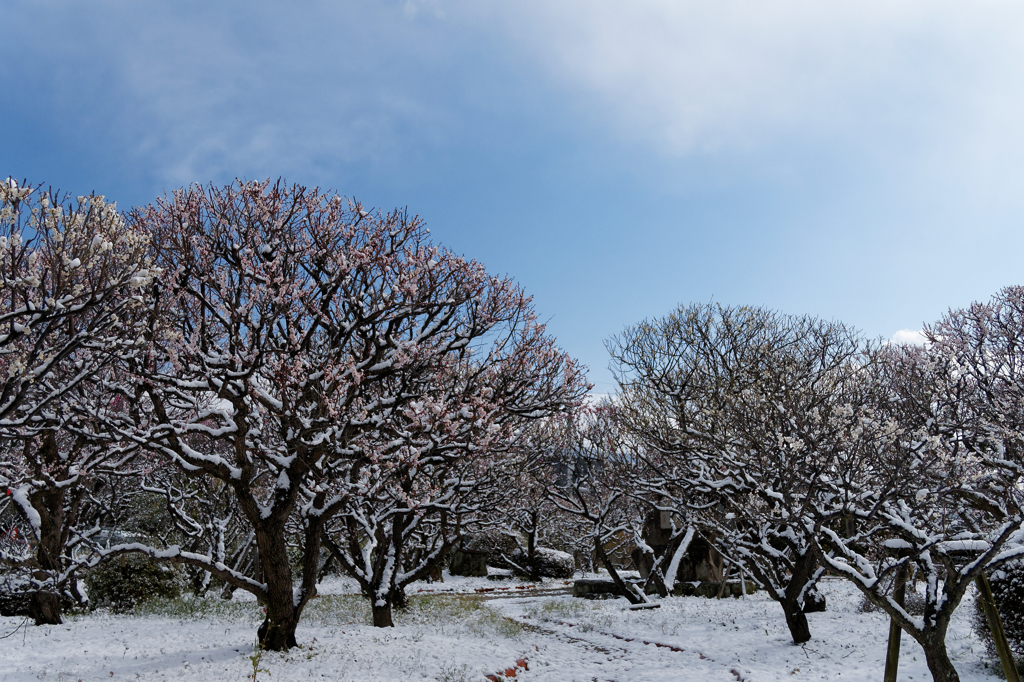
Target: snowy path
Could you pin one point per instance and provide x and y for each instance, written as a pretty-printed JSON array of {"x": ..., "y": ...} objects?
[
  {"x": 722, "y": 640},
  {"x": 566, "y": 652}
]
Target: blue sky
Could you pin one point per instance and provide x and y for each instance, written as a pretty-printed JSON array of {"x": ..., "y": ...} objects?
[{"x": 859, "y": 161}]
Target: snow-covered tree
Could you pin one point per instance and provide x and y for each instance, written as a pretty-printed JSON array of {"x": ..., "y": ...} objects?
[
  {"x": 602, "y": 489},
  {"x": 324, "y": 362},
  {"x": 743, "y": 415},
  {"x": 70, "y": 276},
  {"x": 521, "y": 509},
  {"x": 947, "y": 504},
  {"x": 435, "y": 460}
]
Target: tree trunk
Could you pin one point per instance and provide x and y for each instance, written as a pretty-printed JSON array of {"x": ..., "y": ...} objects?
[
  {"x": 277, "y": 635},
  {"x": 995, "y": 627},
  {"x": 531, "y": 547},
  {"x": 892, "y": 657},
  {"x": 382, "y": 573},
  {"x": 45, "y": 608},
  {"x": 382, "y": 614},
  {"x": 400, "y": 600},
  {"x": 797, "y": 621},
  {"x": 939, "y": 665},
  {"x": 803, "y": 570},
  {"x": 624, "y": 590},
  {"x": 278, "y": 631}
]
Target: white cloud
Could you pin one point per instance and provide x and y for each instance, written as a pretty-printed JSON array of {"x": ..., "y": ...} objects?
[
  {"x": 929, "y": 88},
  {"x": 933, "y": 86},
  {"x": 908, "y": 337}
]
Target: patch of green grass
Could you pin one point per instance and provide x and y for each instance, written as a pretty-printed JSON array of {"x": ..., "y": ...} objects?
[
  {"x": 562, "y": 609},
  {"x": 588, "y": 615},
  {"x": 490, "y": 621},
  {"x": 337, "y": 609},
  {"x": 452, "y": 613},
  {"x": 457, "y": 613},
  {"x": 429, "y": 609},
  {"x": 200, "y": 608}
]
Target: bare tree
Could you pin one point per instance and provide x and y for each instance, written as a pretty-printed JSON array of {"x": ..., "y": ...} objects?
[
  {"x": 600, "y": 489},
  {"x": 522, "y": 509},
  {"x": 740, "y": 411}
]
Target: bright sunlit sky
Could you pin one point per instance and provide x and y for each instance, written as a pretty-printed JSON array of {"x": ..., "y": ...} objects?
[{"x": 861, "y": 161}]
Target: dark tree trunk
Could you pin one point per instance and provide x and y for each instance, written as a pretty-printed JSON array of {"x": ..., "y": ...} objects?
[
  {"x": 399, "y": 599},
  {"x": 277, "y": 635},
  {"x": 382, "y": 614},
  {"x": 381, "y": 607},
  {"x": 939, "y": 665},
  {"x": 44, "y": 607},
  {"x": 802, "y": 573},
  {"x": 278, "y": 631},
  {"x": 284, "y": 605},
  {"x": 796, "y": 621}
]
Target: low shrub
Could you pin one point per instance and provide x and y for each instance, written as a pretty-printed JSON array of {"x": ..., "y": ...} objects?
[{"x": 128, "y": 580}]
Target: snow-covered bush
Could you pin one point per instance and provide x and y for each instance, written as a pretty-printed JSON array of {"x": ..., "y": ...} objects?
[
  {"x": 128, "y": 580},
  {"x": 549, "y": 563},
  {"x": 1008, "y": 591},
  {"x": 13, "y": 601}
]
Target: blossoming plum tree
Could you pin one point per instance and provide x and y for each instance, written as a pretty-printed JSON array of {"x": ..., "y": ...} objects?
[
  {"x": 70, "y": 277},
  {"x": 326, "y": 362}
]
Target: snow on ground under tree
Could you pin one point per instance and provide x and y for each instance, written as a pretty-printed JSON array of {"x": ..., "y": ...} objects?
[{"x": 453, "y": 632}]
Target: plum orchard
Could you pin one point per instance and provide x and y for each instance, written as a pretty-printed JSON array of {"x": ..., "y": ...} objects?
[{"x": 741, "y": 412}]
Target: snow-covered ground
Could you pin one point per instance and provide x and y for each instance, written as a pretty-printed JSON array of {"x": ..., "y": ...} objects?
[{"x": 464, "y": 629}]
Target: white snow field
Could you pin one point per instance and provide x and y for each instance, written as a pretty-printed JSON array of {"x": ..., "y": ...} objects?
[{"x": 455, "y": 633}]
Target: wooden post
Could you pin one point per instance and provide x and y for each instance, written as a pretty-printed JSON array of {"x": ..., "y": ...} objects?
[
  {"x": 892, "y": 655},
  {"x": 995, "y": 626},
  {"x": 725, "y": 577}
]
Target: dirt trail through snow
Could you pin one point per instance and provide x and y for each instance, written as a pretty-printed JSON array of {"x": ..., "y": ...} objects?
[{"x": 567, "y": 651}]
